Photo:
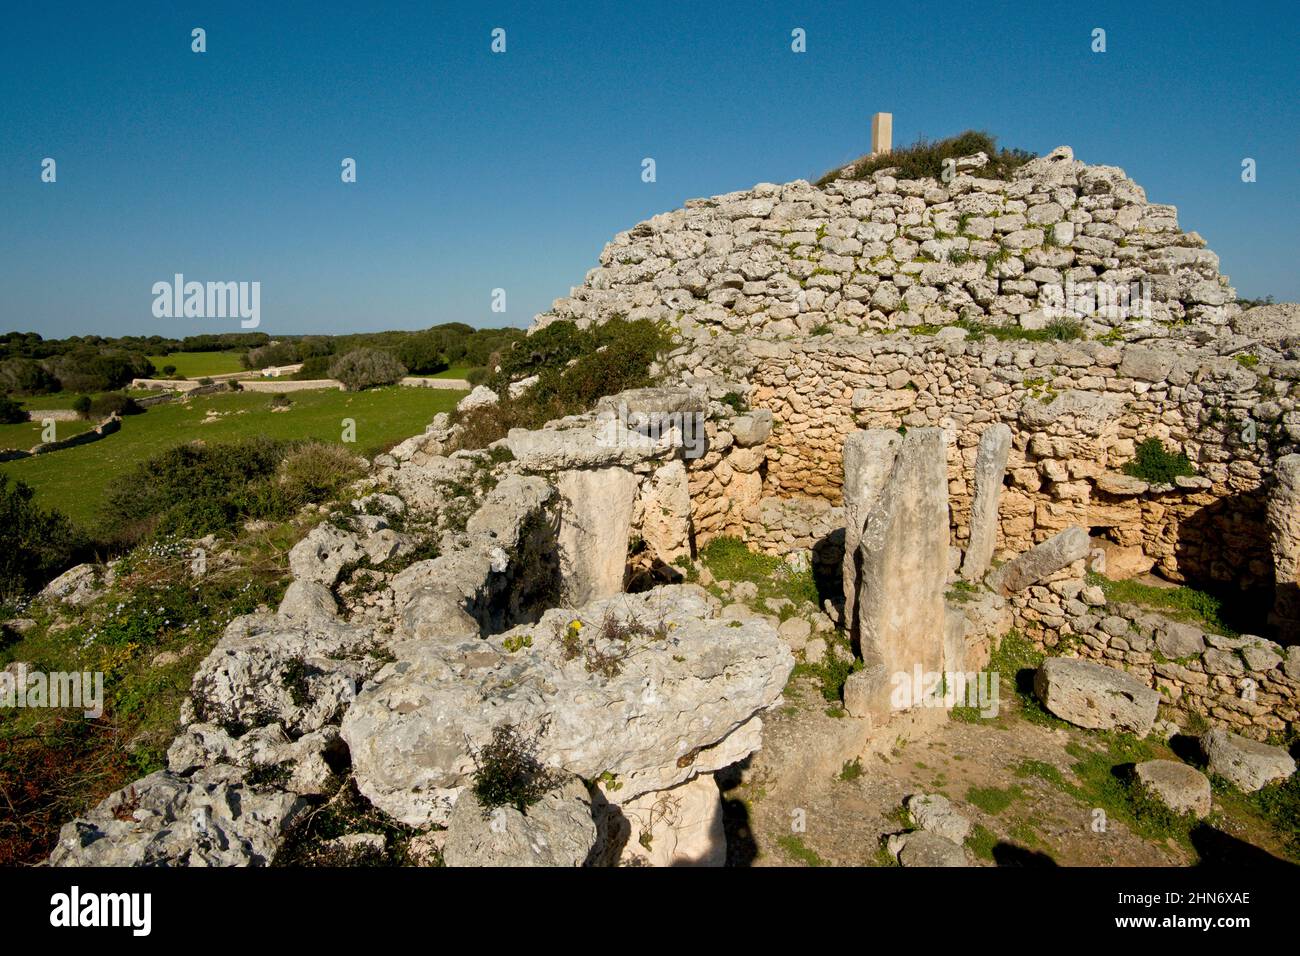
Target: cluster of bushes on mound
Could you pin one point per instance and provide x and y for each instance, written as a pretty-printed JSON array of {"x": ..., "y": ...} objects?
[
  {"x": 574, "y": 367},
  {"x": 35, "y": 545},
  {"x": 198, "y": 489},
  {"x": 924, "y": 159}
]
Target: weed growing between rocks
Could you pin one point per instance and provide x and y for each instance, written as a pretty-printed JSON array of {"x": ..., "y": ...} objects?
[
  {"x": 508, "y": 773},
  {"x": 316, "y": 838}
]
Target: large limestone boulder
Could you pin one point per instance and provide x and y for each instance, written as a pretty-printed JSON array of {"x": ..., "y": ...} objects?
[
  {"x": 1247, "y": 764},
  {"x": 643, "y": 691},
  {"x": 1043, "y": 560},
  {"x": 902, "y": 564},
  {"x": 480, "y": 397},
  {"x": 163, "y": 820},
  {"x": 323, "y": 553},
  {"x": 301, "y": 674},
  {"x": 1181, "y": 788},
  {"x": 558, "y": 830},
  {"x": 990, "y": 469},
  {"x": 79, "y": 585},
  {"x": 1095, "y": 696},
  {"x": 1284, "y": 535}
]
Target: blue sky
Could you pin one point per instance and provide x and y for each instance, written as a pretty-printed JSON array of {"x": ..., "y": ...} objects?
[{"x": 478, "y": 171}]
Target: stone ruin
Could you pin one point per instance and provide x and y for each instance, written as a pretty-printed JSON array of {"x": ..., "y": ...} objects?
[{"x": 903, "y": 433}]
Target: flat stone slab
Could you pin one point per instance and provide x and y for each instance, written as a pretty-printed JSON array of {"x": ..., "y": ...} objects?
[
  {"x": 1181, "y": 788},
  {"x": 1041, "y": 561},
  {"x": 1246, "y": 764},
  {"x": 1095, "y": 696}
]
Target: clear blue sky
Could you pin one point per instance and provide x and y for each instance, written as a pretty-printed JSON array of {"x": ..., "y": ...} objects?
[{"x": 479, "y": 171}]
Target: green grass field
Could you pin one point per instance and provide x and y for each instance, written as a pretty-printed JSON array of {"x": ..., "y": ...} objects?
[
  {"x": 57, "y": 400},
  {"x": 74, "y": 481},
  {"x": 199, "y": 364},
  {"x": 26, "y": 434},
  {"x": 456, "y": 371}
]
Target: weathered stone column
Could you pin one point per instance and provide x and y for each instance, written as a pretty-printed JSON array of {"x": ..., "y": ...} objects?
[
  {"x": 1284, "y": 534},
  {"x": 595, "y": 521},
  {"x": 868, "y": 458},
  {"x": 903, "y": 565},
  {"x": 990, "y": 468}
]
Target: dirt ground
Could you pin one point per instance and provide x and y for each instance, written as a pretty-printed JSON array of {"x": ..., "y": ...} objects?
[{"x": 1012, "y": 777}]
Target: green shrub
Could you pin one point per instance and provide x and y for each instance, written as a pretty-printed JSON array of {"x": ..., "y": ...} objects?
[
  {"x": 924, "y": 158},
  {"x": 1157, "y": 465},
  {"x": 316, "y": 367},
  {"x": 575, "y": 367},
  {"x": 477, "y": 376},
  {"x": 113, "y": 403},
  {"x": 35, "y": 544},
  {"x": 11, "y": 413},
  {"x": 81, "y": 405},
  {"x": 316, "y": 471},
  {"x": 508, "y": 773},
  {"x": 196, "y": 481},
  {"x": 367, "y": 368}
]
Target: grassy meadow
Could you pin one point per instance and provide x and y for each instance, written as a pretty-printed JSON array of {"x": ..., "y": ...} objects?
[
  {"x": 199, "y": 364},
  {"x": 74, "y": 480}
]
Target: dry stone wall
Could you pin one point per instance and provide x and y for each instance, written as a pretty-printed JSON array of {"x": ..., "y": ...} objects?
[{"x": 891, "y": 303}]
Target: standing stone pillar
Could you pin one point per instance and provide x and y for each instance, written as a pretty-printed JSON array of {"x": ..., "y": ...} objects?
[
  {"x": 595, "y": 521},
  {"x": 990, "y": 468},
  {"x": 1284, "y": 535},
  {"x": 868, "y": 458},
  {"x": 902, "y": 567}
]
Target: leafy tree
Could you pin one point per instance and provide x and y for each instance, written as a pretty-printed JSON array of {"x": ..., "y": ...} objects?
[
  {"x": 367, "y": 368},
  {"x": 35, "y": 545}
]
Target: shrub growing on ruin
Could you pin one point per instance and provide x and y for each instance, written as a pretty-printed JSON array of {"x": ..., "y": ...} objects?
[
  {"x": 924, "y": 158},
  {"x": 1157, "y": 465},
  {"x": 508, "y": 773},
  {"x": 367, "y": 368},
  {"x": 81, "y": 405}
]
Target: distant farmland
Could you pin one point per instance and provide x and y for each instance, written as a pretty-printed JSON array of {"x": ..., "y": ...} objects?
[{"x": 75, "y": 480}]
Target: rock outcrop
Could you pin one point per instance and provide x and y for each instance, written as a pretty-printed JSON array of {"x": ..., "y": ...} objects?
[{"x": 645, "y": 691}]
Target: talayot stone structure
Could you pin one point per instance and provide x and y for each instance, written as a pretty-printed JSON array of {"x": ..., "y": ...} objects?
[{"x": 888, "y": 302}]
